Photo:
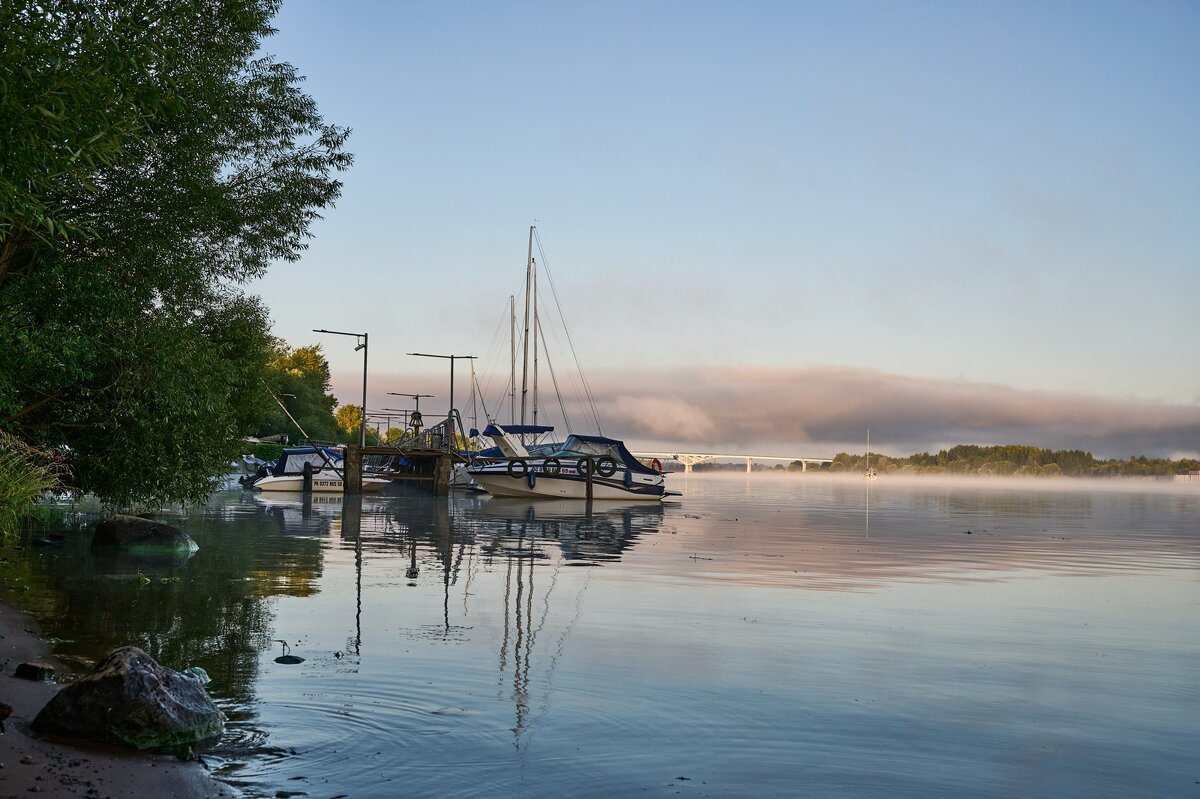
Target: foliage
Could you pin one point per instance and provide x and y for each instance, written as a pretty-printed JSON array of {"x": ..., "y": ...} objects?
[
  {"x": 25, "y": 475},
  {"x": 349, "y": 417},
  {"x": 267, "y": 452},
  {"x": 1018, "y": 460},
  {"x": 299, "y": 378},
  {"x": 146, "y": 171}
]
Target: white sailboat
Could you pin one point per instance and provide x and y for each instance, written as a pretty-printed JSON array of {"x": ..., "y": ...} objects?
[{"x": 582, "y": 466}]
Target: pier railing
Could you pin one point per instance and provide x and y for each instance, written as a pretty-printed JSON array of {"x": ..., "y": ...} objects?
[{"x": 441, "y": 437}]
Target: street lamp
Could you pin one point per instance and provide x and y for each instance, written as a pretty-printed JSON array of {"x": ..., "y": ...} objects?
[
  {"x": 416, "y": 417},
  {"x": 362, "y": 428},
  {"x": 451, "y": 357}
]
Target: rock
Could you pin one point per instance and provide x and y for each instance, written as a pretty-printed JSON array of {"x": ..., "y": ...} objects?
[
  {"x": 135, "y": 534},
  {"x": 130, "y": 699},
  {"x": 34, "y": 671}
]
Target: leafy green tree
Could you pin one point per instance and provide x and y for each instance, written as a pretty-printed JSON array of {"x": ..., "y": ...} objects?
[
  {"x": 299, "y": 378},
  {"x": 349, "y": 418},
  {"x": 152, "y": 162}
]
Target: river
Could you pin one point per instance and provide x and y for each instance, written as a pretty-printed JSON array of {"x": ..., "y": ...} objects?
[{"x": 765, "y": 635}]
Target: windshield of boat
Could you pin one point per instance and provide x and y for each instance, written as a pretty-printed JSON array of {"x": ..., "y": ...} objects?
[{"x": 574, "y": 447}]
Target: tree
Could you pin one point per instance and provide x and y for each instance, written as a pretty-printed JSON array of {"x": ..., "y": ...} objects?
[
  {"x": 349, "y": 418},
  {"x": 299, "y": 378},
  {"x": 128, "y": 222}
]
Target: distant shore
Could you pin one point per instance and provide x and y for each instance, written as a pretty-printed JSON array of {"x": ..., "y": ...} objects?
[{"x": 30, "y": 765}]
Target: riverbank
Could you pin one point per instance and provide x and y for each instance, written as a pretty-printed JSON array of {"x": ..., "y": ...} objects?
[{"x": 31, "y": 765}]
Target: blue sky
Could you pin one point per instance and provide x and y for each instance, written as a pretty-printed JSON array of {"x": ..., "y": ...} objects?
[{"x": 950, "y": 195}]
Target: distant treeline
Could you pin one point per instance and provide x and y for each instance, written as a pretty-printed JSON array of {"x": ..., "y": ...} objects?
[{"x": 1014, "y": 460}]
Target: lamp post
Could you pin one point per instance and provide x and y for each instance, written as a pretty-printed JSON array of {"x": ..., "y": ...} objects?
[
  {"x": 416, "y": 416},
  {"x": 452, "y": 358},
  {"x": 362, "y": 428}
]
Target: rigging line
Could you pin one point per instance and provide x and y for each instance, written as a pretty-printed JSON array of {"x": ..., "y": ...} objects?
[
  {"x": 494, "y": 351},
  {"x": 307, "y": 437},
  {"x": 554, "y": 379},
  {"x": 567, "y": 332}
]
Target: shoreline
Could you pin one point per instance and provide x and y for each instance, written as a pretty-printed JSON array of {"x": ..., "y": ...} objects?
[{"x": 66, "y": 771}]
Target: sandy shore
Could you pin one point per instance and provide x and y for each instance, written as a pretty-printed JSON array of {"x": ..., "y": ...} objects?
[{"x": 29, "y": 765}]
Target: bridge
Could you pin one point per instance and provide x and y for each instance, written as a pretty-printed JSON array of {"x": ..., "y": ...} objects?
[{"x": 690, "y": 459}]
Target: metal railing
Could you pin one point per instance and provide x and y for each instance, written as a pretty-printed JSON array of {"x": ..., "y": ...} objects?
[{"x": 441, "y": 437}]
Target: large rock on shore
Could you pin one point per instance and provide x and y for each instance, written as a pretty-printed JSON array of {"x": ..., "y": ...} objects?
[
  {"x": 135, "y": 534},
  {"x": 130, "y": 699}
]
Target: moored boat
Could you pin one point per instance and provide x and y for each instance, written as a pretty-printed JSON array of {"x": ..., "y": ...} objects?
[
  {"x": 604, "y": 463},
  {"x": 287, "y": 473}
]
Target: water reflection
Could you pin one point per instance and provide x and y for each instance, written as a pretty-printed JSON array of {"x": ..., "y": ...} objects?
[{"x": 557, "y": 648}]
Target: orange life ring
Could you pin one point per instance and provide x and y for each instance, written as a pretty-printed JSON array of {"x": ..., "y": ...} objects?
[{"x": 656, "y": 465}]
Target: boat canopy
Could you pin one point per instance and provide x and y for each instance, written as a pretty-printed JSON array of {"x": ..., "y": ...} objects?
[
  {"x": 519, "y": 429},
  {"x": 293, "y": 459},
  {"x": 600, "y": 447}
]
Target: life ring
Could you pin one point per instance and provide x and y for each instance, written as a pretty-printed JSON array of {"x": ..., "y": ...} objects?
[
  {"x": 517, "y": 467},
  {"x": 551, "y": 466},
  {"x": 583, "y": 465},
  {"x": 606, "y": 467},
  {"x": 656, "y": 465}
]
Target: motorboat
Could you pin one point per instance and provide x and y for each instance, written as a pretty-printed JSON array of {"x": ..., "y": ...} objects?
[
  {"x": 287, "y": 473},
  {"x": 581, "y": 464}
]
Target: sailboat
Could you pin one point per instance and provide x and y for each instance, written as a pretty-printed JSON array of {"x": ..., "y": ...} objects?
[{"x": 583, "y": 466}]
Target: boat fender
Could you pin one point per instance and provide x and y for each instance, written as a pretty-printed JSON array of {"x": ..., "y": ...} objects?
[
  {"x": 629, "y": 478},
  {"x": 531, "y": 479},
  {"x": 606, "y": 467},
  {"x": 517, "y": 467},
  {"x": 656, "y": 465},
  {"x": 551, "y": 466},
  {"x": 582, "y": 466}
]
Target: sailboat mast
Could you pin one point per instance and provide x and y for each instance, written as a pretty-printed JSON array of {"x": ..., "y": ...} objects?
[
  {"x": 512, "y": 343},
  {"x": 535, "y": 341},
  {"x": 525, "y": 347}
]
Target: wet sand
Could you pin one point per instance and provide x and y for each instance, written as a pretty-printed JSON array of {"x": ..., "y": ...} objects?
[{"x": 29, "y": 765}]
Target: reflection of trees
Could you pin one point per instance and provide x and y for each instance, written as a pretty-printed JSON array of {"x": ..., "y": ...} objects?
[{"x": 211, "y": 610}]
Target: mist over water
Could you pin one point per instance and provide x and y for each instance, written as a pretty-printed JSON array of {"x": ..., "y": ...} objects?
[{"x": 767, "y": 635}]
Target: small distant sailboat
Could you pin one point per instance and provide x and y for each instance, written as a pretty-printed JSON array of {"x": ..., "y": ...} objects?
[{"x": 870, "y": 474}]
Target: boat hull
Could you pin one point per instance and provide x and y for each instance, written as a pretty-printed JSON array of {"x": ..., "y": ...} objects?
[
  {"x": 320, "y": 484},
  {"x": 499, "y": 481}
]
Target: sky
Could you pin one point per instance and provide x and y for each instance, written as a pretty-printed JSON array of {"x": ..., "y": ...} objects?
[{"x": 770, "y": 226}]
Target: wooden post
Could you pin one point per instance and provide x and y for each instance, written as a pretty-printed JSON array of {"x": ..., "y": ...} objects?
[
  {"x": 441, "y": 475},
  {"x": 352, "y": 471},
  {"x": 591, "y": 467},
  {"x": 307, "y": 478}
]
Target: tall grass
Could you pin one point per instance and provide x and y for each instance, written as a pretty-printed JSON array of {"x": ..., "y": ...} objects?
[{"x": 25, "y": 474}]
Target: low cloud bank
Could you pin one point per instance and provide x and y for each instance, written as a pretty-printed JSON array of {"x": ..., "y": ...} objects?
[{"x": 818, "y": 411}]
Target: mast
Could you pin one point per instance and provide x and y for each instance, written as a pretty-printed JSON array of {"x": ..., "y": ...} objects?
[
  {"x": 525, "y": 348},
  {"x": 533, "y": 266},
  {"x": 512, "y": 339}
]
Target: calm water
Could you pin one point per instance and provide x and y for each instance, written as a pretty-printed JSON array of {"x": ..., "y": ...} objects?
[{"x": 765, "y": 636}]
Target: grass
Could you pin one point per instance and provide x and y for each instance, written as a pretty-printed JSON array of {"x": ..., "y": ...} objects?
[{"x": 26, "y": 474}]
